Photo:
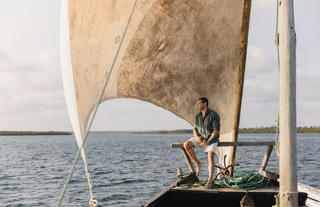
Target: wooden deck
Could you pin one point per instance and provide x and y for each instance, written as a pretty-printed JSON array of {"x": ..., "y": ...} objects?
[
  {"x": 229, "y": 197},
  {"x": 199, "y": 196}
]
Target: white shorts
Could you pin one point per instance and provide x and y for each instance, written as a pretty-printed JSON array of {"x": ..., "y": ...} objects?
[{"x": 210, "y": 148}]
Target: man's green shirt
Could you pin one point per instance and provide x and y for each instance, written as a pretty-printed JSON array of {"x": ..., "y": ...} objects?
[{"x": 205, "y": 126}]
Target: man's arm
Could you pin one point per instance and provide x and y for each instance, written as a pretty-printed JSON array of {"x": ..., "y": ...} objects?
[
  {"x": 216, "y": 129},
  {"x": 195, "y": 131},
  {"x": 196, "y": 135},
  {"x": 214, "y": 134}
]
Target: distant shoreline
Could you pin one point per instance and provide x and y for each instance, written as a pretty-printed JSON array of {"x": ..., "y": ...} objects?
[
  {"x": 241, "y": 130},
  {"x": 20, "y": 133},
  {"x": 273, "y": 129},
  {"x": 179, "y": 131}
]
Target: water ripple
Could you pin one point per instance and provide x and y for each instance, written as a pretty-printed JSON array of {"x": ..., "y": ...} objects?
[{"x": 124, "y": 171}]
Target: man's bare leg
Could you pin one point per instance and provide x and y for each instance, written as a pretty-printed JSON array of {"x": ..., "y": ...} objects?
[
  {"x": 210, "y": 168},
  {"x": 188, "y": 146}
]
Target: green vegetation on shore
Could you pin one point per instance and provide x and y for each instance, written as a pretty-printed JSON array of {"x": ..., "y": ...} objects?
[
  {"x": 179, "y": 131},
  {"x": 271, "y": 129},
  {"x": 20, "y": 133}
]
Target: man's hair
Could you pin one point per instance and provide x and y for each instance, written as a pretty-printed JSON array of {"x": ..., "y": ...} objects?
[{"x": 204, "y": 100}]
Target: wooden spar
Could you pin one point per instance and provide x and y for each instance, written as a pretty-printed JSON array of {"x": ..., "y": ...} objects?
[
  {"x": 287, "y": 102},
  {"x": 242, "y": 64},
  {"x": 262, "y": 171},
  {"x": 229, "y": 144}
]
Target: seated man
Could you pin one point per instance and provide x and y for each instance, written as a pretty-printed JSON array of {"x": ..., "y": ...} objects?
[{"x": 206, "y": 135}]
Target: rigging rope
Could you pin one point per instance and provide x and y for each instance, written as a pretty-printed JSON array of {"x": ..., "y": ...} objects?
[
  {"x": 277, "y": 142},
  {"x": 93, "y": 202}
]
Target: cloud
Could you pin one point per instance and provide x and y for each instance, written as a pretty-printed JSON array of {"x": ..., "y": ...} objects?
[
  {"x": 261, "y": 90},
  {"x": 263, "y": 6},
  {"x": 260, "y": 93},
  {"x": 308, "y": 96},
  {"x": 30, "y": 87},
  {"x": 31, "y": 93}
]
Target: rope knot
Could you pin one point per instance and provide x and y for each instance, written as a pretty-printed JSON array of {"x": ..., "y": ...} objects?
[{"x": 93, "y": 202}]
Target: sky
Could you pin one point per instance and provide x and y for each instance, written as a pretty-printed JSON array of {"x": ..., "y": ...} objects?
[{"x": 31, "y": 90}]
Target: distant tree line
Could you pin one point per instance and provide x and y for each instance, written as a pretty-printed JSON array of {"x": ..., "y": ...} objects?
[
  {"x": 273, "y": 129},
  {"x": 179, "y": 131},
  {"x": 20, "y": 133},
  {"x": 270, "y": 129}
]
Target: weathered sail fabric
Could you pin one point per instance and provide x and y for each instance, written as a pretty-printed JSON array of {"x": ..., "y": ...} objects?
[{"x": 175, "y": 51}]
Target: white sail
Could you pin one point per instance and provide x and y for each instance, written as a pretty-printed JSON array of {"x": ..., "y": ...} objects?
[
  {"x": 174, "y": 52},
  {"x": 67, "y": 77}
]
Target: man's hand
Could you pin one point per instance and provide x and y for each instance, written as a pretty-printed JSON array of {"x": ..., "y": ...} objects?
[
  {"x": 199, "y": 139},
  {"x": 204, "y": 143}
]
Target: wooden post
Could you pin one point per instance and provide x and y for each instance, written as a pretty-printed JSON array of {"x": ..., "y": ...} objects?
[
  {"x": 287, "y": 100},
  {"x": 266, "y": 158},
  {"x": 189, "y": 163},
  {"x": 185, "y": 154}
]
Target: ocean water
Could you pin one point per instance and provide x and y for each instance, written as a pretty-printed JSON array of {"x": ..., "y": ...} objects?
[{"x": 126, "y": 169}]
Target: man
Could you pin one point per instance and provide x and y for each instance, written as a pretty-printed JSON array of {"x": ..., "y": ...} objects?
[{"x": 206, "y": 134}]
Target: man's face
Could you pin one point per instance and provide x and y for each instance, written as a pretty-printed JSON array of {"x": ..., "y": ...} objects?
[{"x": 200, "y": 106}]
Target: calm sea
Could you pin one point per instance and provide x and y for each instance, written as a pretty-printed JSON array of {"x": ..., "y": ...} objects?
[{"x": 126, "y": 169}]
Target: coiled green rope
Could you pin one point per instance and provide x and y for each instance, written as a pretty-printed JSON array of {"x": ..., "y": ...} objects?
[{"x": 244, "y": 181}]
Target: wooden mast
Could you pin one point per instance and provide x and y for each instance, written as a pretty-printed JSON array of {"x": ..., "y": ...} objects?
[
  {"x": 241, "y": 71},
  {"x": 287, "y": 101}
]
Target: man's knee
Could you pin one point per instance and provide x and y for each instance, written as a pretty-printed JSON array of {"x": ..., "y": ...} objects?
[{"x": 188, "y": 144}]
